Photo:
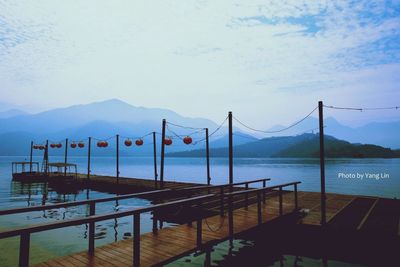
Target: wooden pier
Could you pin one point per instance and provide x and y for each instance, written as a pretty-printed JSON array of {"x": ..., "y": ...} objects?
[{"x": 222, "y": 212}]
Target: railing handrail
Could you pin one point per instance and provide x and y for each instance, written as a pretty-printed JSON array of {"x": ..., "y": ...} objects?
[
  {"x": 107, "y": 199},
  {"x": 255, "y": 190},
  {"x": 78, "y": 203},
  {"x": 97, "y": 218},
  {"x": 225, "y": 185}
]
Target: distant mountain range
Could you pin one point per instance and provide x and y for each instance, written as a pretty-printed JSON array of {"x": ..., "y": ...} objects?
[
  {"x": 304, "y": 145},
  {"x": 107, "y": 118},
  {"x": 378, "y": 133}
]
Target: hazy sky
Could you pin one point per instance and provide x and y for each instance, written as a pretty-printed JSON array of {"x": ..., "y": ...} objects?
[{"x": 268, "y": 61}]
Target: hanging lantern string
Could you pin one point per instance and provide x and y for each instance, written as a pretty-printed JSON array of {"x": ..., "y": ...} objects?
[
  {"x": 185, "y": 127},
  {"x": 277, "y": 131},
  {"x": 174, "y": 133},
  {"x": 214, "y": 132},
  {"x": 106, "y": 139},
  {"x": 363, "y": 109},
  {"x": 136, "y": 137}
]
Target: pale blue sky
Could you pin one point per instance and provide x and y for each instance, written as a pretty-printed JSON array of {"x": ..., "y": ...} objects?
[{"x": 268, "y": 61}]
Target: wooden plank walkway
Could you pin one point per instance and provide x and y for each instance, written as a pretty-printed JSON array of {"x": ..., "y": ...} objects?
[{"x": 178, "y": 240}]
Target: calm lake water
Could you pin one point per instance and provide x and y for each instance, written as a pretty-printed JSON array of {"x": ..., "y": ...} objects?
[{"x": 374, "y": 177}]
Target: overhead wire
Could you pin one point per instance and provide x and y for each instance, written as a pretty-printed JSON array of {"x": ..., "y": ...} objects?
[
  {"x": 362, "y": 109},
  {"x": 275, "y": 131}
]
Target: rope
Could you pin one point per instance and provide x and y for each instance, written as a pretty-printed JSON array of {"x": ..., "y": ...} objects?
[
  {"x": 277, "y": 131},
  {"x": 362, "y": 109}
]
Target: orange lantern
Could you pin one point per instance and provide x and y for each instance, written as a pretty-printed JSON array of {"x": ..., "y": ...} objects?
[
  {"x": 73, "y": 145},
  {"x": 168, "y": 141},
  {"x": 139, "y": 142},
  {"x": 128, "y": 142},
  {"x": 187, "y": 140},
  {"x": 59, "y": 145},
  {"x": 52, "y": 145},
  {"x": 81, "y": 145}
]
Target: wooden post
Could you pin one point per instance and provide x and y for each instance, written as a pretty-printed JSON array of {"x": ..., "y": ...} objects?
[
  {"x": 222, "y": 201},
  {"x": 264, "y": 185},
  {"x": 31, "y": 157},
  {"x": 155, "y": 229},
  {"x": 88, "y": 165},
  {"x": 162, "y": 153},
  {"x": 92, "y": 226},
  {"x": 24, "y": 250},
  {"x": 136, "y": 240},
  {"x": 322, "y": 162},
  {"x": 208, "y": 158},
  {"x": 247, "y": 195},
  {"x": 66, "y": 156},
  {"x": 46, "y": 157},
  {"x": 117, "y": 148},
  {"x": 155, "y": 160},
  {"x": 280, "y": 202},
  {"x": 230, "y": 219},
  {"x": 296, "y": 203},
  {"x": 230, "y": 150},
  {"x": 199, "y": 233},
  {"x": 259, "y": 212}
]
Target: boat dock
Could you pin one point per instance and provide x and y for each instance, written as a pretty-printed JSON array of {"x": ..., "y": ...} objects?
[{"x": 207, "y": 214}]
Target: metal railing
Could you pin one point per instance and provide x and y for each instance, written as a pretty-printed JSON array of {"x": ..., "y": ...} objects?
[
  {"x": 258, "y": 193},
  {"x": 26, "y": 232}
]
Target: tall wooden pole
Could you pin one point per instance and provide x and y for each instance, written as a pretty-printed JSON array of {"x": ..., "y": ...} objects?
[
  {"x": 230, "y": 149},
  {"x": 30, "y": 157},
  {"x": 208, "y": 159},
  {"x": 322, "y": 162},
  {"x": 155, "y": 159},
  {"x": 66, "y": 156},
  {"x": 162, "y": 154},
  {"x": 117, "y": 147},
  {"x": 88, "y": 162},
  {"x": 46, "y": 157}
]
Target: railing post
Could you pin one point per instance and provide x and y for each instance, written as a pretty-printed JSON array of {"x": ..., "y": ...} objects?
[
  {"x": 264, "y": 185},
  {"x": 199, "y": 232},
  {"x": 280, "y": 202},
  {"x": 155, "y": 229},
  {"x": 136, "y": 240},
  {"x": 24, "y": 250},
  {"x": 230, "y": 219},
  {"x": 296, "y": 203},
  {"x": 92, "y": 226},
  {"x": 222, "y": 200},
  {"x": 155, "y": 160},
  {"x": 30, "y": 157},
  {"x": 259, "y": 214},
  {"x": 247, "y": 195}
]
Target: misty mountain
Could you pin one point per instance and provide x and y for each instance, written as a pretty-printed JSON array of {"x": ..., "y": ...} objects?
[
  {"x": 378, "y": 133},
  {"x": 113, "y": 111},
  {"x": 266, "y": 147},
  {"x": 304, "y": 145},
  {"x": 11, "y": 113}
]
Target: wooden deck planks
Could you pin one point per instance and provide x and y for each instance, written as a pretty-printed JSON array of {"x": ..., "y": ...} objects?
[{"x": 177, "y": 240}]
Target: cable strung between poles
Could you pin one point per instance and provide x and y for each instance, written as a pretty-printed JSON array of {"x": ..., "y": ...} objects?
[
  {"x": 362, "y": 109},
  {"x": 277, "y": 131},
  {"x": 216, "y": 130}
]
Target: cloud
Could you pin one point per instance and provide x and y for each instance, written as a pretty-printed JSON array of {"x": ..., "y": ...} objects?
[{"x": 248, "y": 56}]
